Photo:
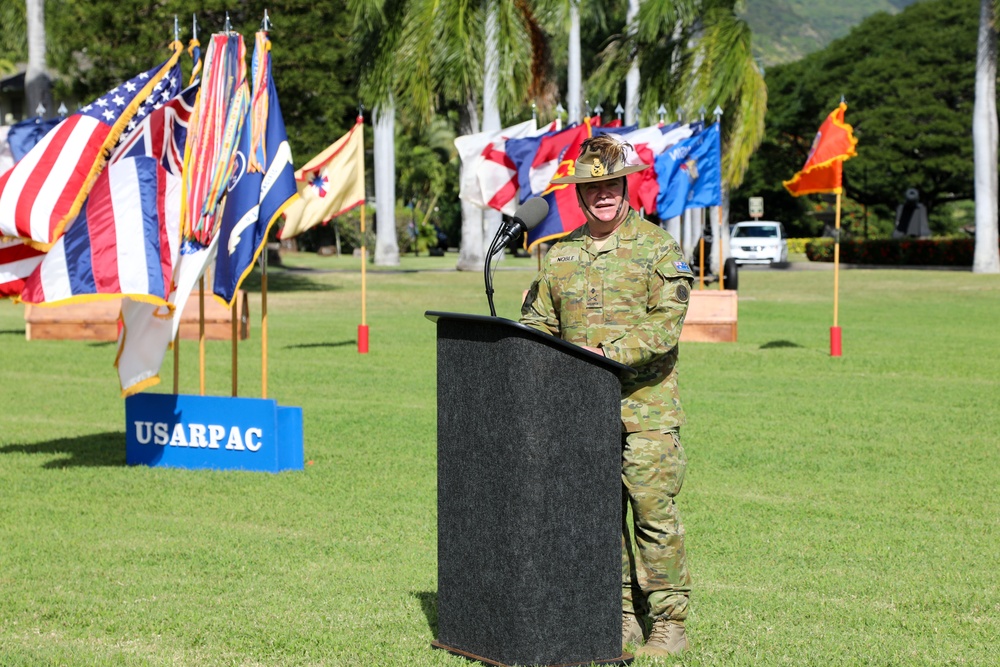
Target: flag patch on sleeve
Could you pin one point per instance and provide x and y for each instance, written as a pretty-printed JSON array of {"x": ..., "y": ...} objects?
[{"x": 682, "y": 266}]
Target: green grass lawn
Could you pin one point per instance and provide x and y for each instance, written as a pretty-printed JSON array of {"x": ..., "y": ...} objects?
[{"x": 839, "y": 511}]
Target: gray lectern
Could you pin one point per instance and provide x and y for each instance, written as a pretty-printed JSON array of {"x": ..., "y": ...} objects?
[{"x": 529, "y": 496}]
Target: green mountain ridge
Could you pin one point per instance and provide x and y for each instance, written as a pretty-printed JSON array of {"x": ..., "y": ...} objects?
[{"x": 786, "y": 30}]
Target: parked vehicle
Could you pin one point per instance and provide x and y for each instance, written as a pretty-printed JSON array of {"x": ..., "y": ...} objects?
[{"x": 758, "y": 242}]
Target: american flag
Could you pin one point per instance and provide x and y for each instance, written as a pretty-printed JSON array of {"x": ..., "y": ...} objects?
[{"x": 47, "y": 188}]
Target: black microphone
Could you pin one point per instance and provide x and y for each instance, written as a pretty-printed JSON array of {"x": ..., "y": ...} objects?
[{"x": 526, "y": 217}]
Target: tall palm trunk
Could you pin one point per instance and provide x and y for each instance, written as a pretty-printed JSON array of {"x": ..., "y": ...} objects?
[
  {"x": 37, "y": 87},
  {"x": 470, "y": 253},
  {"x": 491, "y": 107},
  {"x": 574, "y": 86},
  {"x": 386, "y": 245},
  {"x": 986, "y": 258},
  {"x": 632, "y": 78}
]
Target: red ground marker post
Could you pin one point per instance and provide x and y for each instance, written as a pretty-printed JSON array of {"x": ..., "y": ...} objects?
[
  {"x": 363, "y": 327},
  {"x": 363, "y": 339},
  {"x": 835, "y": 348}
]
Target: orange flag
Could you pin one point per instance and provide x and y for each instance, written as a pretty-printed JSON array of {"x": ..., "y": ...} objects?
[{"x": 824, "y": 169}]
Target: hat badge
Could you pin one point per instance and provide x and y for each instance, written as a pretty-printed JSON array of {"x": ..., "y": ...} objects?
[{"x": 598, "y": 168}]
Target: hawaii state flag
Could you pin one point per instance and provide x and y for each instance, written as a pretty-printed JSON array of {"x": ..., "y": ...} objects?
[
  {"x": 121, "y": 244},
  {"x": 823, "y": 171},
  {"x": 263, "y": 185},
  {"x": 160, "y": 131},
  {"x": 147, "y": 325},
  {"x": 45, "y": 190},
  {"x": 690, "y": 174},
  {"x": 331, "y": 183}
]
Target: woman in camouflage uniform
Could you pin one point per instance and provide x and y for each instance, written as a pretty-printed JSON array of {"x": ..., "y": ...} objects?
[{"x": 620, "y": 287}]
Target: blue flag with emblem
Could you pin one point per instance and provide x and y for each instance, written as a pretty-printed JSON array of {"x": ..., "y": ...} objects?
[
  {"x": 263, "y": 182},
  {"x": 690, "y": 174}
]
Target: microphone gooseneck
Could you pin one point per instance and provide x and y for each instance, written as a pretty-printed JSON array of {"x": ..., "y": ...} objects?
[{"x": 527, "y": 216}]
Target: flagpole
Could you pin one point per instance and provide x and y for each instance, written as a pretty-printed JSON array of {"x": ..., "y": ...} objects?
[
  {"x": 701, "y": 258},
  {"x": 201, "y": 335},
  {"x": 722, "y": 261},
  {"x": 835, "y": 341},
  {"x": 717, "y": 112},
  {"x": 235, "y": 319},
  {"x": 363, "y": 327},
  {"x": 263, "y": 322},
  {"x": 177, "y": 359}
]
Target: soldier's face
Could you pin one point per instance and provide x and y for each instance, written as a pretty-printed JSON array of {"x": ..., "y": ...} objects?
[{"x": 603, "y": 198}]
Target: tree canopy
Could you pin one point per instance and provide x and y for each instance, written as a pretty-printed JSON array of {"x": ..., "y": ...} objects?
[
  {"x": 100, "y": 43},
  {"x": 909, "y": 82}
]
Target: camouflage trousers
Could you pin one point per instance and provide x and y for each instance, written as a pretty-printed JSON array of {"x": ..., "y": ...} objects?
[{"x": 655, "y": 578}]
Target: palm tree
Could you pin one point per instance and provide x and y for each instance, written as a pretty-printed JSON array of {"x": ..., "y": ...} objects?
[
  {"x": 986, "y": 258},
  {"x": 710, "y": 64},
  {"x": 633, "y": 77},
  {"x": 441, "y": 62},
  {"x": 378, "y": 26},
  {"x": 37, "y": 87}
]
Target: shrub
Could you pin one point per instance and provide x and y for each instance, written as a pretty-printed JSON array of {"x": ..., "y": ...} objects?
[
  {"x": 896, "y": 252},
  {"x": 798, "y": 245}
]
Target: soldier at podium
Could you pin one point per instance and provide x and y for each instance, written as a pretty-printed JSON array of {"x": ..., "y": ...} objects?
[{"x": 620, "y": 287}]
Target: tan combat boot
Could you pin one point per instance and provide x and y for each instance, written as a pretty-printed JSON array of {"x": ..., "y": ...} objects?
[
  {"x": 631, "y": 629},
  {"x": 666, "y": 638}
]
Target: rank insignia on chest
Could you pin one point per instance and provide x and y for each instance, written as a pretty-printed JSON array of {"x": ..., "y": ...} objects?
[{"x": 593, "y": 298}]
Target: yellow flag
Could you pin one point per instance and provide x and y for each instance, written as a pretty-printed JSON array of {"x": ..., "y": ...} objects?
[{"x": 331, "y": 183}]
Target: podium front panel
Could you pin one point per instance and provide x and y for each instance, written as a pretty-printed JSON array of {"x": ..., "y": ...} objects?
[{"x": 529, "y": 498}]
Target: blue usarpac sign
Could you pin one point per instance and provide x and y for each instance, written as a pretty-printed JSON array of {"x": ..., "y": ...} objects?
[{"x": 220, "y": 433}]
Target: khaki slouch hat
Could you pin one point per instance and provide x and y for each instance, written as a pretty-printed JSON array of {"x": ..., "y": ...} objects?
[{"x": 602, "y": 158}]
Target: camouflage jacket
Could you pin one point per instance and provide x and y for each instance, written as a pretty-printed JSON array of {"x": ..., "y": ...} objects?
[{"x": 628, "y": 298}]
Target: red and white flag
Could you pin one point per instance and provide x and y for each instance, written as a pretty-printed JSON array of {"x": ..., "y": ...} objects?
[
  {"x": 489, "y": 177},
  {"x": 17, "y": 262},
  {"x": 45, "y": 190}
]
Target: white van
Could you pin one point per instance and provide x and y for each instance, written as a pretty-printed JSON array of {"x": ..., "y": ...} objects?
[{"x": 758, "y": 242}]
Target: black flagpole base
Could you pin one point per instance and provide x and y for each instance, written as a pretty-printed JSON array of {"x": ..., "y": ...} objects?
[{"x": 623, "y": 659}]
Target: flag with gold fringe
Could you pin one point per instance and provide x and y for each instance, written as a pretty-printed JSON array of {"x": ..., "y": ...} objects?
[
  {"x": 215, "y": 132},
  {"x": 46, "y": 189},
  {"x": 263, "y": 185}
]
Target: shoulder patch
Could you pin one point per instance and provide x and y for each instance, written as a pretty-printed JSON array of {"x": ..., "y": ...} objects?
[
  {"x": 682, "y": 266},
  {"x": 683, "y": 293}
]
